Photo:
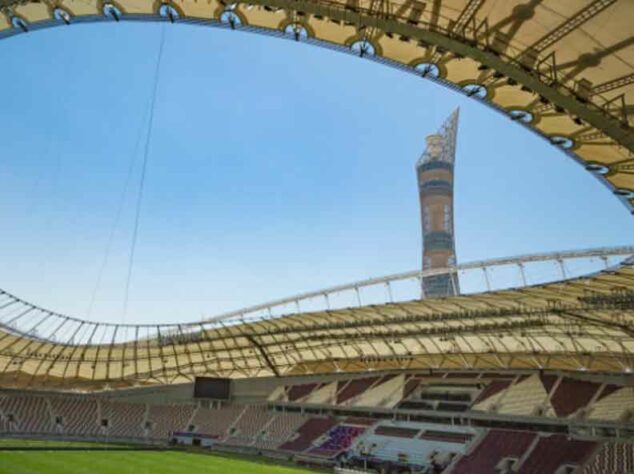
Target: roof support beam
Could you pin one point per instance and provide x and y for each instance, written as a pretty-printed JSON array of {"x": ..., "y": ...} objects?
[
  {"x": 556, "y": 93},
  {"x": 571, "y": 24},
  {"x": 264, "y": 355}
]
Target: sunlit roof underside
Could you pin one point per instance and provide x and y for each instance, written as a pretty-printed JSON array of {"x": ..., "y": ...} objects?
[
  {"x": 569, "y": 65},
  {"x": 580, "y": 324}
]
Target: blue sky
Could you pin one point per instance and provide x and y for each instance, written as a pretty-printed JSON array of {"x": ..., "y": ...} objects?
[{"x": 274, "y": 168}]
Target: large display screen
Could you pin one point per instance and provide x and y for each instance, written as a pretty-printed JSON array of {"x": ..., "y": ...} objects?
[{"x": 209, "y": 387}]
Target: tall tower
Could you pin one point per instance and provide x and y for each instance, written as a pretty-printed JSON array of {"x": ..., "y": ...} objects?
[{"x": 434, "y": 171}]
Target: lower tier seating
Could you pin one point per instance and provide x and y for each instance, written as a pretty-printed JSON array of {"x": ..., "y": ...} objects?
[
  {"x": 611, "y": 457},
  {"x": 308, "y": 433},
  {"x": 164, "y": 419},
  {"x": 396, "y": 431},
  {"x": 249, "y": 425},
  {"x": 216, "y": 422},
  {"x": 496, "y": 446},
  {"x": 27, "y": 414},
  {"x": 279, "y": 430},
  {"x": 398, "y": 442},
  {"x": 77, "y": 416},
  {"x": 552, "y": 452},
  {"x": 421, "y": 445},
  {"x": 339, "y": 439},
  {"x": 123, "y": 420}
]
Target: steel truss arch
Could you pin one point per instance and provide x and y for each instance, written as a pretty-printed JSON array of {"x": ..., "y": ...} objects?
[{"x": 583, "y": 323}]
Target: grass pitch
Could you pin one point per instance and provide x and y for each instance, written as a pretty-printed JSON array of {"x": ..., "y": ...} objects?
[{"x": 130, "y": 462}]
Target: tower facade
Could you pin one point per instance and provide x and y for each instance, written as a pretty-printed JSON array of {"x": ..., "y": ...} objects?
[{"x": 435, "y": 173}]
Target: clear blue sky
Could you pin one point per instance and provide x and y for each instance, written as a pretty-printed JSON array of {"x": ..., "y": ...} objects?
[{"x": 275, "y": 168}]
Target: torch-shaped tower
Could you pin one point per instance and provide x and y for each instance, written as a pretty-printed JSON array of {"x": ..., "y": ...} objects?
[{"x": 434, "y": 170}]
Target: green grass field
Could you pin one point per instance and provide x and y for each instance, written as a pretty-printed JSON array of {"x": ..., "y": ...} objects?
[{"x": 129, "y": 462}]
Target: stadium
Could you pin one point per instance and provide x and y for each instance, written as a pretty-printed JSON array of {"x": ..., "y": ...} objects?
[{"x": 456, "y": 367}]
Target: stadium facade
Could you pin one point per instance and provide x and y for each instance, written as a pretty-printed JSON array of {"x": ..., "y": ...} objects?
[{"x": 435, "y": 174}]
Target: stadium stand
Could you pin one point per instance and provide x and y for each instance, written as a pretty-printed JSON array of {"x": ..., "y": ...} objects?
[
  {"x": 164, "y": 419},
  {"x": 396, "y": 431},
  {"x": 27, "y": 414},
  {"x": 295, "y": 393},
  {"x": 345, "y": 433},
  {"x": 400, "y": 443},
  {"x": 123, "y": 420},
  {"x": 386, "y": 392},
  {"x": 571, "y": 395},
  {"x": 618, "y": 405},
  {"x": 216, "y": 422},
  {"x": 525, "y": 397},
  {"x": 77, "y": 416},
  {"x": 493, "y": 388},
  {"x": 348, "y": 390},
  {"x": 308, "y": 433},
  {"x": 611, "y": 458},
  {"x": 447, "y": 436},
  {"x": 324, "y": 394},
  {"x": 550, "y": 453},
  {"x": 498, "y": 450},
  {"x": 249, "y": 425},
  {"x": 279, "y": 429},
  {"x": 338, "y": 439}
]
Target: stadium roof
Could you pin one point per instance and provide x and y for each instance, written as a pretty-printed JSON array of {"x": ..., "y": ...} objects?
[
  {"x": 564, "y": 69},
  {"x": 580, "y": 324}
]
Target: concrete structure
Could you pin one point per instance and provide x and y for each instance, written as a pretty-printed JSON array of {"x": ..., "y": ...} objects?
[{"x": 434, "y": 171}]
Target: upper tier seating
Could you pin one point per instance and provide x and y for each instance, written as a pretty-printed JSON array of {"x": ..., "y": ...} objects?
[
  {"x": 411, "y": 383},
  {"x": 348, "y": 390},
  {"x": 572, "y": 395},
  {"x": 29, "y": 414},
  {"x": 493, "y": 388},
  {"x": 617, "y": 406},
  {"x": 324, "y": 394},
  {"x": 79, "y": 416},
  {"x": 297, "y": 392},
  {"x": 611, "y": 458},
  {"x": 526, "y": 397},
  {"x": 307, "y": 433},
  {"x": 165, "y": 419},
  {"x": 386, "y": 392},
  {"x": 552, "y": 452},
  {"x": 494, "y": 447}
]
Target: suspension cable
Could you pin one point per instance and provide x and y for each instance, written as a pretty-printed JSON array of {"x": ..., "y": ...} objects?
[
  {"x": 146, "y": 155},
  {"x": 119, "y": 211}
]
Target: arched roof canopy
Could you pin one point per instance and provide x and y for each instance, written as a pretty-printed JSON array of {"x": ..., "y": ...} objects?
[
  {"x": 564, "y": 69},
  {"x": 582, "y": 324}
]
